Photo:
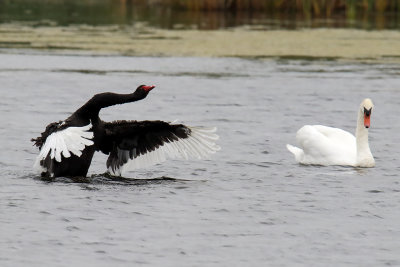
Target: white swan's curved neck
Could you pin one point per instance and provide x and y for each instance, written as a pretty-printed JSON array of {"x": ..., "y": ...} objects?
[{"x": 364, "y": 155}]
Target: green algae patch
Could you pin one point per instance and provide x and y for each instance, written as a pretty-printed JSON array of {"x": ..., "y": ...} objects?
[{"x": 140, "y": 40}]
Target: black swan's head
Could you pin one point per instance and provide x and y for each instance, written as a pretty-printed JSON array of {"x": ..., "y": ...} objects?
[{"x": 142, "y": 91}]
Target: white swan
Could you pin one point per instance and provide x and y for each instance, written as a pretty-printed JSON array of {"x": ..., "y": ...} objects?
[{"x": 322, "y": 145}]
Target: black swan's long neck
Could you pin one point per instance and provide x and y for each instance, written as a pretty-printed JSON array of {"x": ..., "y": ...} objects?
[{"x": 92, "y": 107}]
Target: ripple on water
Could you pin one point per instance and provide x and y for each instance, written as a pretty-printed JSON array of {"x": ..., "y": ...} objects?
[{"x": 248, "y": 204}]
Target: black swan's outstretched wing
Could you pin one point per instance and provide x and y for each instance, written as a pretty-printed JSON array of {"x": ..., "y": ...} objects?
[{"x": 136, "y": 144}]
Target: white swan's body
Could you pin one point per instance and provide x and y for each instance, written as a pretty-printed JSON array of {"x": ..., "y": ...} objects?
[{"x": 322, "y": 145}]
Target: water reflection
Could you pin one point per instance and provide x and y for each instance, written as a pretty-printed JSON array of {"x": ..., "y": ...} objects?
[
  {"x": 107, "y": 179},
  {"x": 106, "y": 12}
]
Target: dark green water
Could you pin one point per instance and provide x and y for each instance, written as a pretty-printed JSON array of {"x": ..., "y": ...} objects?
[{"x": 107, "y": 12}]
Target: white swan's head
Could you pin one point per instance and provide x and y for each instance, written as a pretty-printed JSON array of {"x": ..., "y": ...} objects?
[{"x": 366, "y": 109}]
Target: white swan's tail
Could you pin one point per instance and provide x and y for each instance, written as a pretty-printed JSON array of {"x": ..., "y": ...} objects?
[{"x": 297, "y": 152}]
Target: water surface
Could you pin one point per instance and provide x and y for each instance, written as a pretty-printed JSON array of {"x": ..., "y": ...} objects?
[{"x": 250, "y": 204}]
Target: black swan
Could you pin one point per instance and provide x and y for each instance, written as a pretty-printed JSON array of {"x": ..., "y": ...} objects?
[{"x": 67, "y": 147}]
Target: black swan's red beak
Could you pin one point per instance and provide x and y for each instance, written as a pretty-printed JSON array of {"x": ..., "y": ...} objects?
[{"x": 148, "y": 88}]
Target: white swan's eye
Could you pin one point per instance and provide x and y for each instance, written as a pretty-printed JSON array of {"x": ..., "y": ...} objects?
[{"x": 367, "y": 112}]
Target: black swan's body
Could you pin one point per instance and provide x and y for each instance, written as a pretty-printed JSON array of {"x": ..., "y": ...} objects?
[{"x": 67, "y": 147}]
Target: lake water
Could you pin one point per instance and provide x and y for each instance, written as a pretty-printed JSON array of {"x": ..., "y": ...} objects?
[{"x": 249, "y": 205}]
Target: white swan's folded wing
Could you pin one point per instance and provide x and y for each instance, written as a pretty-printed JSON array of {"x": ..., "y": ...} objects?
[{"x": 326, "y": 145}]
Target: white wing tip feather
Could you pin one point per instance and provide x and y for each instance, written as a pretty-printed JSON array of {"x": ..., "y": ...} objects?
[
  {"x": 71, "y": 140},
  {"x": 199, "y": 145}
]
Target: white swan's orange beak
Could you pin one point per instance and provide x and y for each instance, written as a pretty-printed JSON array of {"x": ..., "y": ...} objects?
[
  {"x": 367, "y": 117},
  {"x": 367, "y": 121}
]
